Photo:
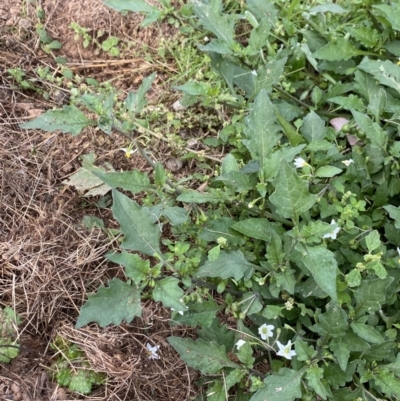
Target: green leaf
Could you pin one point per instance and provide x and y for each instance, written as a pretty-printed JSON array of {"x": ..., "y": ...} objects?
[
  {"x": 192, "y": 196},
  {"x": 135, "y": 102},
  {"x": 68, "y": 120},
  {"x": 136, "y": 6},
  {"x": 304, "y": 352},
  {"x": 254, "y": 228},
  {"x": 394, "y": 213},
  {"x": 367, "y": 36},
  {"x": 322, "y": 264},
  {"x": 119, "y": 301},
  {"x": 133, "y": 181},
  {"x": 218, "y": 333},
  {"x": 348, "y": 102},
  {"x": 217, "y": 392},
  {"x": 387, "y": 382},
  {"x": 313, "y": 128},
  {"x": 261, "y": 128},
  {"x": 199, "y": 314},
  {"x": 229, "y": 264},
  {"x": 340, "y": 49},
  {"x": 175, "y": 214},
  {"x": 386, "y": 72},
  {"x": 285, "y": 385},
  {"x": 229, "y": 164},
  {"x": 137, "y": 224},
  {"x": 367, "y": 333},
  {"x": 245, "y": 355},
  {"x": 217, "y": 46},
  {"x": 291, "y": 197},
  {"x": 294, "y": 137},
  {"x": 169, "y": 293},
  {"x": 314, "y": 231},
  {"x": 314, "y": 376},
  {"x": 262, "y": 9},
  {"x": 206, "y": 356},
  {"x": 341, "y": 352},
  {"x": 135, "y": 267},
  {"x": 391, "y": 13},
  {"x": 221, "y": 25},
  {"x": 372, "y": 130},
  {"x": 328, "y": 8},
  {"x": 328, "y": 171},
  {"x": 373, "y": 241},
  {"x": 333, "y": 322},
  {"x": 269, "y": 75}
]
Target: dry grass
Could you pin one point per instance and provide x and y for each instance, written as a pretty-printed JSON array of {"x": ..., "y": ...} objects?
[{"x": 49, "y": 261}]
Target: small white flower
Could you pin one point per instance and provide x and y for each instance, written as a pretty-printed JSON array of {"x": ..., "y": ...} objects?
[
  {"x": 152, "y": 351},
  {"x": 285, "y": 351},
  {"x": 334, "y": 232},
  {"x": 299, "y": 162},
  {"x": 398, "y": 250},
  {"x": 206, "y": 39},
  {"x": 179, "y": 311},
  {"x": 265, "y": 331},
  {"x": 347, "y": 162},
  {"x": 254, "y": 72},
  {"x": 240, "y": 343},
  {"x": 128, "y": 152}
]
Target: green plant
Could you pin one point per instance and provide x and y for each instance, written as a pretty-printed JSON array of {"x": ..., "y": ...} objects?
[
  {"x": 9, "y": 321},
  {"x": 298, "y": 231},
  {"x": 72, "y": 369}
]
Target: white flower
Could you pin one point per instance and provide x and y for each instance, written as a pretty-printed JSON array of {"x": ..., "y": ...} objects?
[
  {"x": 179, "y": 311},
  {"x": 266, "y": 331},
  {"x": 152, "y": 351},
  {"x": 347, "y": 162},
  {"x": 299, "y": 162},
  {"x": 128, "y": 152},
  {"x": 398, "y": 250},
  {"x": 285, "y": 351},
  {"x": 240, "y": 343},
  {"x": 334, "y": 232},
  {"x": 254, "y": 72}
]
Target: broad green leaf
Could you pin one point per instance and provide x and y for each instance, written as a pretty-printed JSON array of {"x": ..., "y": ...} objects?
[
  {"x": 371, "y": 295},
  {"x": 314, "y": 376},
  {"x": 169, "y": 293},
  {"x": 221, "y": 25},
  {"x": 275, "y": 254},
  {"x": 259, "y": 36},
  {"x": 271, "y": 312},
  {"x": 136, "y": 6},
  {"x": 394, "y": 213},
  {"x": 333, "y": 322},
  {"x": 366, "y": 85},
  {"x": 135, "y": 267},
  {"x": 291, "y": 197},
  {"x": 68, "y": 120},
  {"x": 175, "y": 214},
  {"x": 229, "y": 164},
  {"x": 386, "y": 72},
  {"x": 391, "y": 13},
  {"x": 313, "y": 128},
  {"x": 294, "y": 137},
  {"x": 328, "y": 171},
  {"x": 304, "y": 352},
  {"x": 254, "y": 228},
  {"x": 373, "y": 241},
  {"x": 141, "y": 231},
  {"x": 377, "y": 104},
  {"x": 322, "y": 264},
  {"x": 261, "y": 128},
  {"x": 199, "y": 314},
  {"x": 133, "y": 181},
  {"x": 372, "y": 130},
  {"x": 387, "y": 382},
  {"x": 230, "y": 264},
  {"x": 135, "y": 102},
  {"x": 340, "y": 49},
  {"x": 262, "y": 9},
  {"x": 218, "y": 333},
  {"x": 217, "y": 46},
  {"x": 328, "y": 8},
  {"x": 394, "y": 367},
  {"x": 367, "y": 333},
  {"x": 192, "y": 196},
  {"x": 245, "y": 355},
  {"x": 314, "y": 231},
  {"x": 217, "y": 392},
  {"x": 285, "y": 280},
  {"x": 285, "y": 385},
  {"x": 234, "y": 377},
  {"x": 341, "y": 352},
  {"x": 206, "y": 356},
  {"x": 348, "y": 102},
  {"x": 269, "y": 75},
  {"x": 111, "y": 305},
  {"x": 381, "y": 351},
  {"x": 367, "y": 36}
]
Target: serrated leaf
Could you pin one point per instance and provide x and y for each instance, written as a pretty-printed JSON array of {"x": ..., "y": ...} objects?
[
  {"x": 261, "y": 129},
  {"x": 341, "y": 352},
  {"x": 365, "y": 35},
  {"x": 135, "y": 102},
  {"x": 169, "y": 293},
  {"x": 328, "y": 171},
  {"x": 218, "y": 333},
  {"x": 333, "y": 322},
  {"x": 221, "y": 25},
  {"x": 199, "y": 314},
  {"x": 367, "y": 333},
  {"x": 135, "y": 267},
  {"x": 348, "y": 102},
  {"x": 387, "y": 382},
  {"x": 254, "y": 228},
  {"x": 340, "y": 49},
  {"x": 291, "y": 197},
  {"x": 285, "y": 385},
  {"x": 313, "y": 128},
  {"x": 67, "y": 120},
  {"x": 322, "y": 264},
  {"x": 111, "y": 305},
  {"x": 136, "y": 6},
  {"x": 229, "y": 264},
  {"x": 314, "y": 376},
  {"x": 372, "y": 130},
  {"x": 141, "y": 231},
  {"x": 314, "y": 231},
  {"x": 133, "y": 181},
  {"x": 206, "y": 356},
  {"x": 391, "y": 13}
]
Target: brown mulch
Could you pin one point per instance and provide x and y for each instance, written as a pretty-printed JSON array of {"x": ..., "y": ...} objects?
[{"x": 49, "y": 262}]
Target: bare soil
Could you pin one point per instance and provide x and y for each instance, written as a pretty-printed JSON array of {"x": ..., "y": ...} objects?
[{"x": 49, "y": 262}]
